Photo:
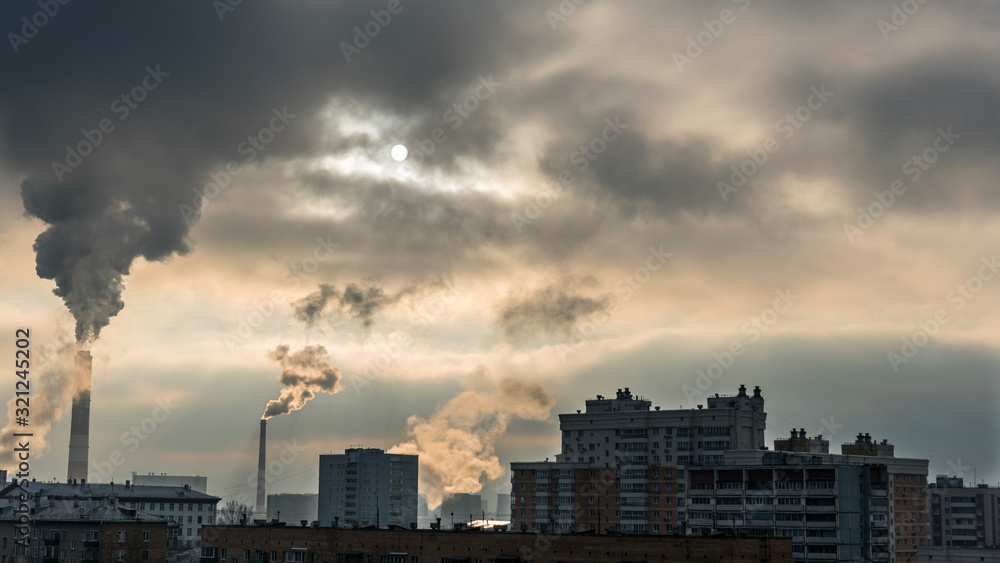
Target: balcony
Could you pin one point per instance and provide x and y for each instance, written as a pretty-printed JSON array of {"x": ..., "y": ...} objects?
[
  {"x": 51, "y": 542},
  {"x": 884, "y": 540},
  {"x": 821, "y": 492},
  {"x": 91, "y": 544}
]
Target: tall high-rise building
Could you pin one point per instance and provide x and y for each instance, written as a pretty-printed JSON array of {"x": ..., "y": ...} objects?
[
  {"x": 368, "y": 487},
  {"x": 624, "y": 442},
  {"x": 964, "y": 516},
  {"x": 628, "y": 469},
  {"x": 907, "y": 489}
]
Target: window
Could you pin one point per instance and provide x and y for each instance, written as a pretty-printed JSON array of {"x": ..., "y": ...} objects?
[
  {"x": 121, "y": 536},
  {"x": 145, "y": 535},
  {"x": 121, "y": 555},
  {"x": 145, "y": 555}
]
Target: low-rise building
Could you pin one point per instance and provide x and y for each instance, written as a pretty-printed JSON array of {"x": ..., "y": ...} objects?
[
  {"x": 82, "y": 530},
  {"x": 196, "y": 482},
  {"x": 296, "y": 544},
  {"x": 185, "y": 509}
]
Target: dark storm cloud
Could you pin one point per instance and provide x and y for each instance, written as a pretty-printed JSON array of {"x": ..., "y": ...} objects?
[
  {"x": 634, "y": 172},
  {"x": 551, "y": 310},
  {"x": 216, "y": 82},
  {"x": 360, "y": 302}
]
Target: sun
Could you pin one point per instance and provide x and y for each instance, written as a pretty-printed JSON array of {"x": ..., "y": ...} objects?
[{"x": 399, "y": 153}]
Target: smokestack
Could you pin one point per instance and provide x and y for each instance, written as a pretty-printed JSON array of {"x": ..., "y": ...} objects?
[
  {"x": 79, "y": 429},
  {"x": 261, "y": 462}
]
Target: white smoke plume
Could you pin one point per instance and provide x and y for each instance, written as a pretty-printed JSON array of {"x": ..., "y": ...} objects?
[
  {"x": 52, "y": 393},
  {"x": 303, "y": 373},
  {"x": 456, "y": 444}
]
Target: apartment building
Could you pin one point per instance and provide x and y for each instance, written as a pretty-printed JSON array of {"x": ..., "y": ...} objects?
[
  {"x": 625, "y": 468},
  {"x": 185, "y": 509},
  {"x": 963, "y": 516},
  {"x": 91, "y": 530},
  {"x": 621, "y": 460},
  {"x": 368, "y": 487},
  {"x": 274, "y": 544}
]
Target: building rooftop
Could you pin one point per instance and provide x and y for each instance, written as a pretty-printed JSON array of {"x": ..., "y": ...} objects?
[
  {"x": 102, "y": 510},
  {"x": 121, "y": 491}
]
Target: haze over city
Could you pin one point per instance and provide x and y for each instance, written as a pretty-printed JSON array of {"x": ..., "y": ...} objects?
[{"x": 675, "y": 197}]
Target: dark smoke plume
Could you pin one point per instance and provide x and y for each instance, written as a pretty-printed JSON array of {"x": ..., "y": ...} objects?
[
  {"x": 116, "y": 129},
  {"x": 303, "y": 373},
  {"x": 360, "y": 302},
  {"x": 552, "y": 310}
]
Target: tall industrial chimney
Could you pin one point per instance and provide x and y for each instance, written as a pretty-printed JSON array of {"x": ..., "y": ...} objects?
[
  {"x": 79, "y": 429},
  {"x": 261, "y": 508}
]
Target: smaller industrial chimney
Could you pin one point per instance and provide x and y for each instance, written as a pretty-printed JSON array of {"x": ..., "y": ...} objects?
[
  {"x": 261, "y": 508},
  {"x": 79, "y": 428}
]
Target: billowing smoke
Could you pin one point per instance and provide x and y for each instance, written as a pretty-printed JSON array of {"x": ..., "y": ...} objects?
[
  {"x": 90, "y": 246},
  {"x": 359, "y": 302},
  {"x": 303, "y": 373},
  {"x": 456, "y": 444},
  {"x": 52, "y": 393},
  {"x": 120, "y": 141},
  {"x": 553, "y": 310}
]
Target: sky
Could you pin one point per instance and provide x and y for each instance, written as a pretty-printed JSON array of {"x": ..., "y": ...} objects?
[{"x": 675, "y": 197}]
